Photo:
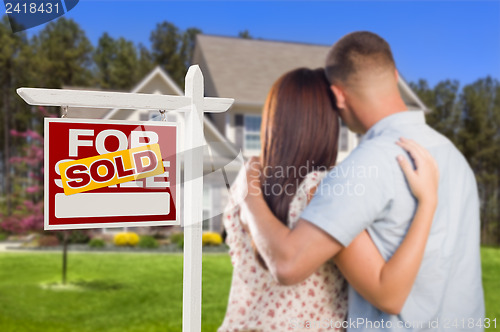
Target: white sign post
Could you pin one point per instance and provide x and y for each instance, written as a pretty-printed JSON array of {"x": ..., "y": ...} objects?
[{"x": 194, "y": 104}]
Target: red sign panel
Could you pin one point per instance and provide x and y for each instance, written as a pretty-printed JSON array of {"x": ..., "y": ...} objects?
[{"x": 150, "y": 201}]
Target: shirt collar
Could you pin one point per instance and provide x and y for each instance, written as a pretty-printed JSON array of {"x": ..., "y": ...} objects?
[{"x": 395, "y": 120}]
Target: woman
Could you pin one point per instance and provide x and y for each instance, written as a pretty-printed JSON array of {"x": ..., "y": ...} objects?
[{"x": 299, "y": 137}]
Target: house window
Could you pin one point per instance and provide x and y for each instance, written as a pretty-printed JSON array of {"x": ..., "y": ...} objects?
[
  {"x": 156, "y": 116},
  {"x": 207, "y": 209},
  {"x": 238, "y": 120},
  {"x": 252, "y": 132},
  {"x": 343, "y": 137}
]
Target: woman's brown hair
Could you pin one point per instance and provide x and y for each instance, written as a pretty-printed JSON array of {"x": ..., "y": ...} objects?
[{"x": 299, "y": 134}]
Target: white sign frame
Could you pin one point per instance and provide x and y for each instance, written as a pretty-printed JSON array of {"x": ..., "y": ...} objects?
[
  {"x": 46, "y": 193},
  {"x": 194, "y": 104}
]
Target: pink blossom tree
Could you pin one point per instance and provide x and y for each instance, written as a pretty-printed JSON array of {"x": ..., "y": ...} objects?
[{"x": 28, "y": 196}]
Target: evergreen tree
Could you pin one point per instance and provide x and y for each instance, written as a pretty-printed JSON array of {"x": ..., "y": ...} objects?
[
  {"x": 245, "y": 34},
  {"x": 470, "y": 118},
  {"x": 145, "y": 62},
  {"x": 172, "y": 49},
  {"x": 14, "y": 72},
  {"x": 187, "y": 46},
  {"x": 116, "y": 62},
  {"x": 103, "y": 57},
  {"x": 442, "y": 101},
  {"x": 63, "y": 54},
  {"x": 479, "y": 141}
]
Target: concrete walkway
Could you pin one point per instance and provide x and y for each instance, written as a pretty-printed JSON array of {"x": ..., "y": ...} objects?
[{"x": 12, "y": 246}]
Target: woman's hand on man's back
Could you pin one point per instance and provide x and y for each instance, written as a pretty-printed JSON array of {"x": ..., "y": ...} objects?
[{"x": 424, "y": 178}]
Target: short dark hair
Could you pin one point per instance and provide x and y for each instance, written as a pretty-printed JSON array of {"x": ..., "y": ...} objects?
[{"x": 356, "y": 52}]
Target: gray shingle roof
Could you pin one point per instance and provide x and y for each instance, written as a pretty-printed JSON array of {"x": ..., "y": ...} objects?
[{"x": 245, "y": 69}]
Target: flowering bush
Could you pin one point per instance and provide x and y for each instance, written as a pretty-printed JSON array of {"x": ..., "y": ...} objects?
[
  {"x": 211, "y": 239},
  {"x": 27, "y": 203},
  {"x": 126, "y": 239}
]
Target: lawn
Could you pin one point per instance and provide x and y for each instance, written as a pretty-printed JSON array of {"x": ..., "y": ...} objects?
[
  {"x": 490, "y": 258},
  {"x": 131, "y": 292},
  {"x": 118, "y": 292}
]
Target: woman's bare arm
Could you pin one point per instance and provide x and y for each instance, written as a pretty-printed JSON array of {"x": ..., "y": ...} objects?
[
  {"x": 387, "y": 284},
  {"x": 291, "y": 255}
]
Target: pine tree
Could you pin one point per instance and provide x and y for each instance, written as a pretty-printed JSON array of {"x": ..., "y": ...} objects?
[
  {"x": 63, "y": 54},
  {"x": 172, "y": 49}
]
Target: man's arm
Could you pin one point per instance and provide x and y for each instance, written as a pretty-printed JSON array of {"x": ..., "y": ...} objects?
[{"x": 290, "y": 254}]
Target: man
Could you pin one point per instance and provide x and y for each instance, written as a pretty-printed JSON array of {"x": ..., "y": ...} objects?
[{"x": 368, "y": 191}]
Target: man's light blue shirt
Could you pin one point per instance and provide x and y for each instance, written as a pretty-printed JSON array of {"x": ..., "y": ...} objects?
[{"x": 368, "y": 191}]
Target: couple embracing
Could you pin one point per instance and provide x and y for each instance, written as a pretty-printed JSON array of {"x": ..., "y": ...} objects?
[{"x": 386, "y": 240}]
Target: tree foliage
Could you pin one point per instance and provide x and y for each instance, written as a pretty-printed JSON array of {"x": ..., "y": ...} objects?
[
  {"x": 14, "y": 71},
  {"x": 172, "y": 49},
  {"x": 117, "y": 63},
  {"x": 28, "y": 198},
  {"x": 470, "y": 118},
  {"x": 245, "y": 34},
  {"x": 62, "y": 55}
]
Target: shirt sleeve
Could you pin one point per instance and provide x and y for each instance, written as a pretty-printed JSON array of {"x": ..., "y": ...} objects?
[{"x": 354, "y": 194}]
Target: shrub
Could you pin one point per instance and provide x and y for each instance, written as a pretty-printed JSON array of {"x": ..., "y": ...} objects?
[
  {"x": 48, "y": 241},
  {"x": 178, "y": 239},
  {"x": 126, "y": 239},
  {"x": 211, "y": 239},
  {"x": 97, "y": 243},
  {"x": 149, "y": 242},
  {"x": 79, "y": 236},
  {"x": 74, "y": 236},
  {"x": 3, "y": 236}
]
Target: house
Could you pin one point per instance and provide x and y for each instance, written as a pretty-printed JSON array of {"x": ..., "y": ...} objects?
[{"x": 243, "y": 69}]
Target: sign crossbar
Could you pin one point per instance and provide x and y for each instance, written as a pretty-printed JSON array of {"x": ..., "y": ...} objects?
[{"x": 119, "y": 100}]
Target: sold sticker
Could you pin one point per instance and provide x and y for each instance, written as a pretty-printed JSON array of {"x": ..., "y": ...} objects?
[{"x": 110, "y": 169}]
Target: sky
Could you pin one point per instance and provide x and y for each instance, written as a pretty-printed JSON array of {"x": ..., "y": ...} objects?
[{"x": 433, "y": 40}]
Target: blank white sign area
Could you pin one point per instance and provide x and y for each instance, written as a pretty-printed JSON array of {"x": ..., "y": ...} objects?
[{"x": 111, "y": 205}]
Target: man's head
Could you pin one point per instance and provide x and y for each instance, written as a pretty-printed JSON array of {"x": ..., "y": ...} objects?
[{"x": 363, "y": 77}]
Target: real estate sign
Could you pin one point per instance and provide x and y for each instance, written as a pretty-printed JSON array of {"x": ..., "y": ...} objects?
[{"x": 103, "y": 173}]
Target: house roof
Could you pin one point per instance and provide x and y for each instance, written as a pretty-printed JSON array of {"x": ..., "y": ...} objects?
[
  {"x": 245, "y": 69},
  {"x": 150, "y": 85},
  {"x": 147, "y": 85}
]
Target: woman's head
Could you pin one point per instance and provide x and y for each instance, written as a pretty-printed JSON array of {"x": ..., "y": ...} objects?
[{"x": 299, "y": 134}]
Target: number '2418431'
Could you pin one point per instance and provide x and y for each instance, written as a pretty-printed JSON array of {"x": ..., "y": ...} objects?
[{"x": 32, "y": 8}]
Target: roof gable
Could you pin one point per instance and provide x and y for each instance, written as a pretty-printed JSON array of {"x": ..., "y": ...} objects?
[
  {"x": 245, "y": 69},
  {"x": 159, "y": 82}
]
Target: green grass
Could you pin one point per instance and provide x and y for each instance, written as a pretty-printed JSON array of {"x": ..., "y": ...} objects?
[
  {"x": 132, "y": 292},
  {"x": 115, "y": 292},
  {"x": 490, "y": 258}
]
